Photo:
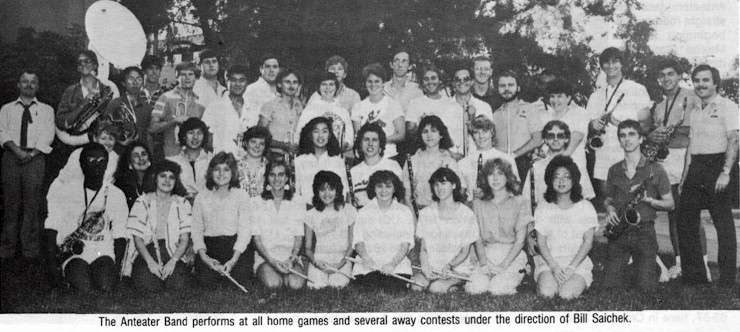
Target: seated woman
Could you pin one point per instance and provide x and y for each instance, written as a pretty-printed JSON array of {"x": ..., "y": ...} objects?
[
  {"x": 159, "y": 225},
  {"x": 220, "y": 228},
  {"x": 85, "y": 216},
  {"x": 132, "y": 166},
  {"x": 253, "y": 162},
  {"x": 435, "y": 141},
  {"x": 383, "y": 234},
  {"x": 331, "y": 221},
  {"x": 502, "y": 216},
  {"x": 193, "y": 158},
  {"x": 446, "y": 231},
  {"x": 565, "y": 226},
  {"x": 318, "y": 150},
  {"x": 278, "y": 231}
]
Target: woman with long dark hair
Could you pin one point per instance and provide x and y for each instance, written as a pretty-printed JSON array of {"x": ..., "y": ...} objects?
[
  {"x": 132, "y": 167},
  {"x": 318, "y": 150}
]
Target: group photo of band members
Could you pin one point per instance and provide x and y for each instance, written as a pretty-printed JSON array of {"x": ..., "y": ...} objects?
[{"x": 433, "y": 182}]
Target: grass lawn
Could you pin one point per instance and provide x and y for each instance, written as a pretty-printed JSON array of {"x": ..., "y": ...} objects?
[{"x": 26, "y": 292}]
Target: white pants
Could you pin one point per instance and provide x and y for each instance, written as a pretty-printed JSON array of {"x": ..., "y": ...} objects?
[
  {"x": 504, "y": 283},
  {"x": 321, "y": 279}
]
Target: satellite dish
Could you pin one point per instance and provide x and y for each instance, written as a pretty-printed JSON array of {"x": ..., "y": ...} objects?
[{"x": 115, "y": 34}]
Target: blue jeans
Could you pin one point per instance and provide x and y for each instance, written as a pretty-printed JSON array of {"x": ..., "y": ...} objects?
[{"x": 638, "y": 242}]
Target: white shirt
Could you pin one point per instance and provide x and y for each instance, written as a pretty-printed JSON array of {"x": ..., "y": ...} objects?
[
  {"x": 41, "y": 129},
  {"x": 383, "y": 232},
  {"x": 445, "y": 238},
  {"x": 565, "y": 228},
  {"x": 307, "y": 165},
  {"x": 577, "y": 120},
  {"x": 361, "y": 176},
  {"x": 215, "y": 216},
  {"x": 259, "y": 93},
  {"x": 331, "y": 228},
  {"x": 277, "y": 228},
  {"x": 193, "y": 177},
  {"x": 227, "y": 125},
  {"x": 469, "y": 167},
  {"x": 206, "y": 94},
  {"x": 539, "y": 167},
  {"x": 481, "y": 109},
  {"x": 383, "y": 112},
  {"x": 335, "y": 112}
]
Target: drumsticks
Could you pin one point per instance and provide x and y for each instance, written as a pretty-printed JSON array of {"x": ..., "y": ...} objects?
[
  {"x": 442, "y": 274},
  {"x": 407, "y": 280}
]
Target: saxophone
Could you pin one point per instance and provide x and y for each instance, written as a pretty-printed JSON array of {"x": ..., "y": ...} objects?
[
  {"x": 92, "y": 110},
  {"x": 654, "y": 150},
  {"x": 596, "y": 140},
  {"x": 629, "y": 216}
]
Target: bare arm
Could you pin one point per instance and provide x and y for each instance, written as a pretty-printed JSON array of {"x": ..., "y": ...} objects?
[
  {"x": 575, "y": 139},
  {"x": 399, "y": 133},
  {"x": 583, "y": 250},
  {"x": 535, "y": 140}
]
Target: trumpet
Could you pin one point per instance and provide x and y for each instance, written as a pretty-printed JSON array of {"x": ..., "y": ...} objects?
[
  {"x": 596, "y": 140},
  {"x": 629, "y": 216}
]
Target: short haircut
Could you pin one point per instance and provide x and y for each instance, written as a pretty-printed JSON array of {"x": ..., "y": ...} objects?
[
  {"x": 489, "y": 166},
  {"x": 187, "y": 65},
  {"x": 433, "y": 68},
  {"x": 558, "y": 86},
  {"x": 670, "y": 63},
  {"x": 555, "y": 123},
  {"x": 336, "y": 59},
  {"x": 374, "y": 69},
  {"x": 611, "y": 53},
  {"x": 370, "y": 127},
  {"x": 328, "y": 76},
  {"x": 257, "y": 132},
  {"x": 305, "y": 143},
  {"x": 385, "y": 176},
  {"x": 445, "y": 142},
  {"x": 715, "y": 73},
  {"x": 285, "y": 73},
  {"x": 100, "y": 126},
  {"x": 268, "y": 56},
  {"x": 237, "y": 69},
  {"x": 128, "y": 71},
  {"x": 90, "y": 55},
  {"x": 630, "y": 123},
  {"x": 444, "y": 174},
  {"x": 151, "y": 61},
  {"x": 331, "y": 179},
  {"x": 481, "y": 122},
  {"x": 150, "y": 179},
  {"x": 575, "y": 176},
  {"x": 188, "y": 125},
  {"x": 227, "y": 158},
  {"x": 207, "y": 54},
  {"x": 266, "y": 191},
  {"x": 402, "y": 50},
  {"x": 508, "y": 73},
  {"x": 29, "y": 71},
  {"x": 482, "y": 58}
]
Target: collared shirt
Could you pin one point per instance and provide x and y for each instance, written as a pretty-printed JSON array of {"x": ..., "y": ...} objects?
[
  {"x": 331, "y": 228},
  {"x": 216, "y": 216},
  {"x": 469, "y": 167},
  {"x": 306, "y": 167},
  {"x": 227, "y": 125},
  {"x": 513, "y": 122},
  {"x": 346, "y": 97},
  {"x": 73, "y": 102},
  {"x": 193, "y": 176},
  {"x": 404, "y": 94},
  {"x": 445, "y": 237},
  {"x": 282, "y": 117},
  {"x": 361, "y": 176},
  {"x": 139, "y": 110},
  {"x": 206, "y": 94},
  {"x": 171, "y": 104},
  {"x": 277, "y": 228},
  {"x": 259, "y": 93},
  {"x": 711, "y": 125},
  {"x": 383, "y": 231},
  {"x": 40, "y": 132},
  {"x": 424, "y": 165},
  {"x": 341, "y": 123},
  {"x": 499, "y": 222},
  {"x": 384, "y": 113},
  {"x": 539, "y": 167},
  {"x": 619, "y": 186},
  {"x": 680, "y": 107}
]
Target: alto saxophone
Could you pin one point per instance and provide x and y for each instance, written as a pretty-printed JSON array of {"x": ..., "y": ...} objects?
[
  {"x": 596, "y": 140},
  {"x": 93, "y": 109},
  {"x": 659, "y": 150},
  {"x": 629, "y": 216}
]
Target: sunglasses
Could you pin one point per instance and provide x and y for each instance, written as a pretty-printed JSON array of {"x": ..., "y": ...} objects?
[
  {"x": 556, "y": 135},
  {"x": 462, "y": 79}
]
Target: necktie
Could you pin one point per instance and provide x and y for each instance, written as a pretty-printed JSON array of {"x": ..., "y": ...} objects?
[{"x": 25, "y": 120}]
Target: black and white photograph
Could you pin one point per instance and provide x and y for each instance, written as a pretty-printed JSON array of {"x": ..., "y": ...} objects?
[{"x": 369, "y": 164}]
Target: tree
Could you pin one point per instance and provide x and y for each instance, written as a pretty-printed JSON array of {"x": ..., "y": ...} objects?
[{"x": 153, "y": 16}]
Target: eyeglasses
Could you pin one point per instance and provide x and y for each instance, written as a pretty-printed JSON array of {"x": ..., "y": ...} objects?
[
  {"x": 84, "y": 61},
  {"x": 560, "y": 135},
  {"x": 465, "y": 79}
]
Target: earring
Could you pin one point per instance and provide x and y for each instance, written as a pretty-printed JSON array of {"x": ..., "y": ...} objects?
[
  {"x": 287, "y": 186},
  {"x": 268, "y": 187}
]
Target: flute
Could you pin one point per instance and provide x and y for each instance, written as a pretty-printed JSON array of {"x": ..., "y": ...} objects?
[
  {"x": 443, "y": 275},
  {"x": 407, "y": 280}
]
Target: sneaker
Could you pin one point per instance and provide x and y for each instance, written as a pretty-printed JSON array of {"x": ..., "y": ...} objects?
[
  {"x": 706, "y": 267},
  {"x": 664, "y": 275},
  {"x": 674, "y": 272}
]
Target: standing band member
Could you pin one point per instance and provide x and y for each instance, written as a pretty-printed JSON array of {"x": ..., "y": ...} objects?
[
  {"x": 470, "y": 106},
  {"x": 711, "y": 158},
  {"x": 318, "y": 151},
  {"x": 400, "y": 87},
  {"x": 264, "y": 89},
  {"x": 207, "y": 87},
  {"x": 483, "y": 132},
  {"x": 369, "y": 147},
  {"x": 346, "y": 97},
  {"x": 629, "y": 180},
  {"x": 483, "y": 87},
  {"x": 280, "y": 115},
  {"x": 130, "y": 112},
  {"x": 435, "y": 102}
]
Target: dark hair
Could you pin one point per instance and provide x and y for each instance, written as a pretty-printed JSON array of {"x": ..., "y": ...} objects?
[
  {"x": 188, "y": 125},
  {"x": 128, "y": 71},
  {"x": 30, "y": 71},
  {"x": 257, "y": 132},
  {"x": 305, "y": 144},
  {"x": 237, "y": 69},
  {"x": 575, "y": 177},
  {"x": 334, "y": 182},
  {"x": 123, "y": 172},
  {"x": 227, "y": 158},
  {"x": 433, "y": 68},
  {"x": 327, "y": 76},
  {"x": 283, "y": 74},
  {"x": 560, "y": 85},
  {"x": 374, "y": 69},
  {"x": 512, "y": 183},
  {"x": 444, "y": 174},
  {"x": 555, "y": 123},
  {"x": 336, "y": 59},
  {"x": 715, "y": 73},
  {"x": 482, "y": 58},
  {"x": 611, "y": 53},
  {"x": 669, "y": 63},
  {"x": 100, "y": 126},
  {"x": 630, "y": 123},
  {"x": 402, "y": 50},
  {"x": 267, "y": 194},
  {"x": 445, "y": 141},
  {"x": 90, "y": 55},
  {"x": 370, "y": 127},
  {"x": 508, "y": 73},
  {"x": 268, "y": 56},
  {"x": 187, "y": 65},
  {"x": 207, "y": 54},
  {"x": 150, "y": 61},
  {"x": 385, "y": 176},
  {"x": 150, "y": 179}
]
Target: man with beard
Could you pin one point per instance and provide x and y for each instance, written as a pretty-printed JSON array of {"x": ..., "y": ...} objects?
[
  {"x": 370, "y": 146},
  {"x": 711, "y": 158},
  {"x": 280, "y": 115},
  {"x": 207, "y": 87},
  {"x": 265, "y": 88},
  {"x": 174, "y": 107},
  {"x": 130, "y": 112},
  {"x": 515, "y": 132},
  {"x": 483, "y": 88},
  {"x": 26, "y": 134},
  {"x": 400, "y": 87},
  {"x": 231, "y": 115}
]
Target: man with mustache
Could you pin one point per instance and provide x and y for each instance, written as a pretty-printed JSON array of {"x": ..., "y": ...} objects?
[
  {"x": 711, "y": 158},
  {"x": 280, "y": 115}
]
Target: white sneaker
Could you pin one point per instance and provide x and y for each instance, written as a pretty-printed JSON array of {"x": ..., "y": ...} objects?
[
  {"x": 706, "y": 266},
  {"x": 675, "y": 271}
]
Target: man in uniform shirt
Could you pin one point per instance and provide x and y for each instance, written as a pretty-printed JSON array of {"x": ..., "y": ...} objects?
[
  {"x": 711, "y": 157},
  {"x": 483, "y": 88},
  {"x": 265, "y": 88},
  {"x": 207, "y": 87},
  {"x": 26, "y": 133},
  {"x": 280, "y": 115},
  {"x": 399, "y": 87}
]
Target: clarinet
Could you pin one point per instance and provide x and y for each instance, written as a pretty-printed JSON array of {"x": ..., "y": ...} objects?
[
  {"x": 351, "y": 192},
  {"x": 411, "y": 184},
  {"x": 480, "y": 180},
  {"x": 533, "y": 247}
]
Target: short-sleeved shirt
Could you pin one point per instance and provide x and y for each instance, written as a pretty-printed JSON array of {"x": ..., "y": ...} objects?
[
  {"x": 193, "y": 175},
  {"x": 564, "y": 228},
  {"x": 206, "y": 94},
  {"x": 278, "y": 228},
  {"x": 346, "y": 97},
  {"x": 171, "y": 104},
  {"x": 383, "y": 231},
  {"x": 226, "y": 124},
  {"x": 513, "y": 121},
  {"x": 259, "y": 93},
  {"x": 651, "y": 174},
  {"x": 711, "y": 125},
  {"x": 498, "y": 222},
  {"x": 341, "y": 123},
  {"x": 361, "y": 176},
  {"x": 679, "y": 108},
  {"x": 469, "y": 166},
  {"x": 445, "y": 237},
  {"x": 423, "y": 168},
  {"x": 283, "y": 118},
  {"x": 306, "y": 167},
  {"x": 384, "y": 113},
  {"x": 403, "y": 95},
  {"x": 539, "y": 168},
  {"x": 577, "y": 120},
  {"x": 331, "y": 228}
]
